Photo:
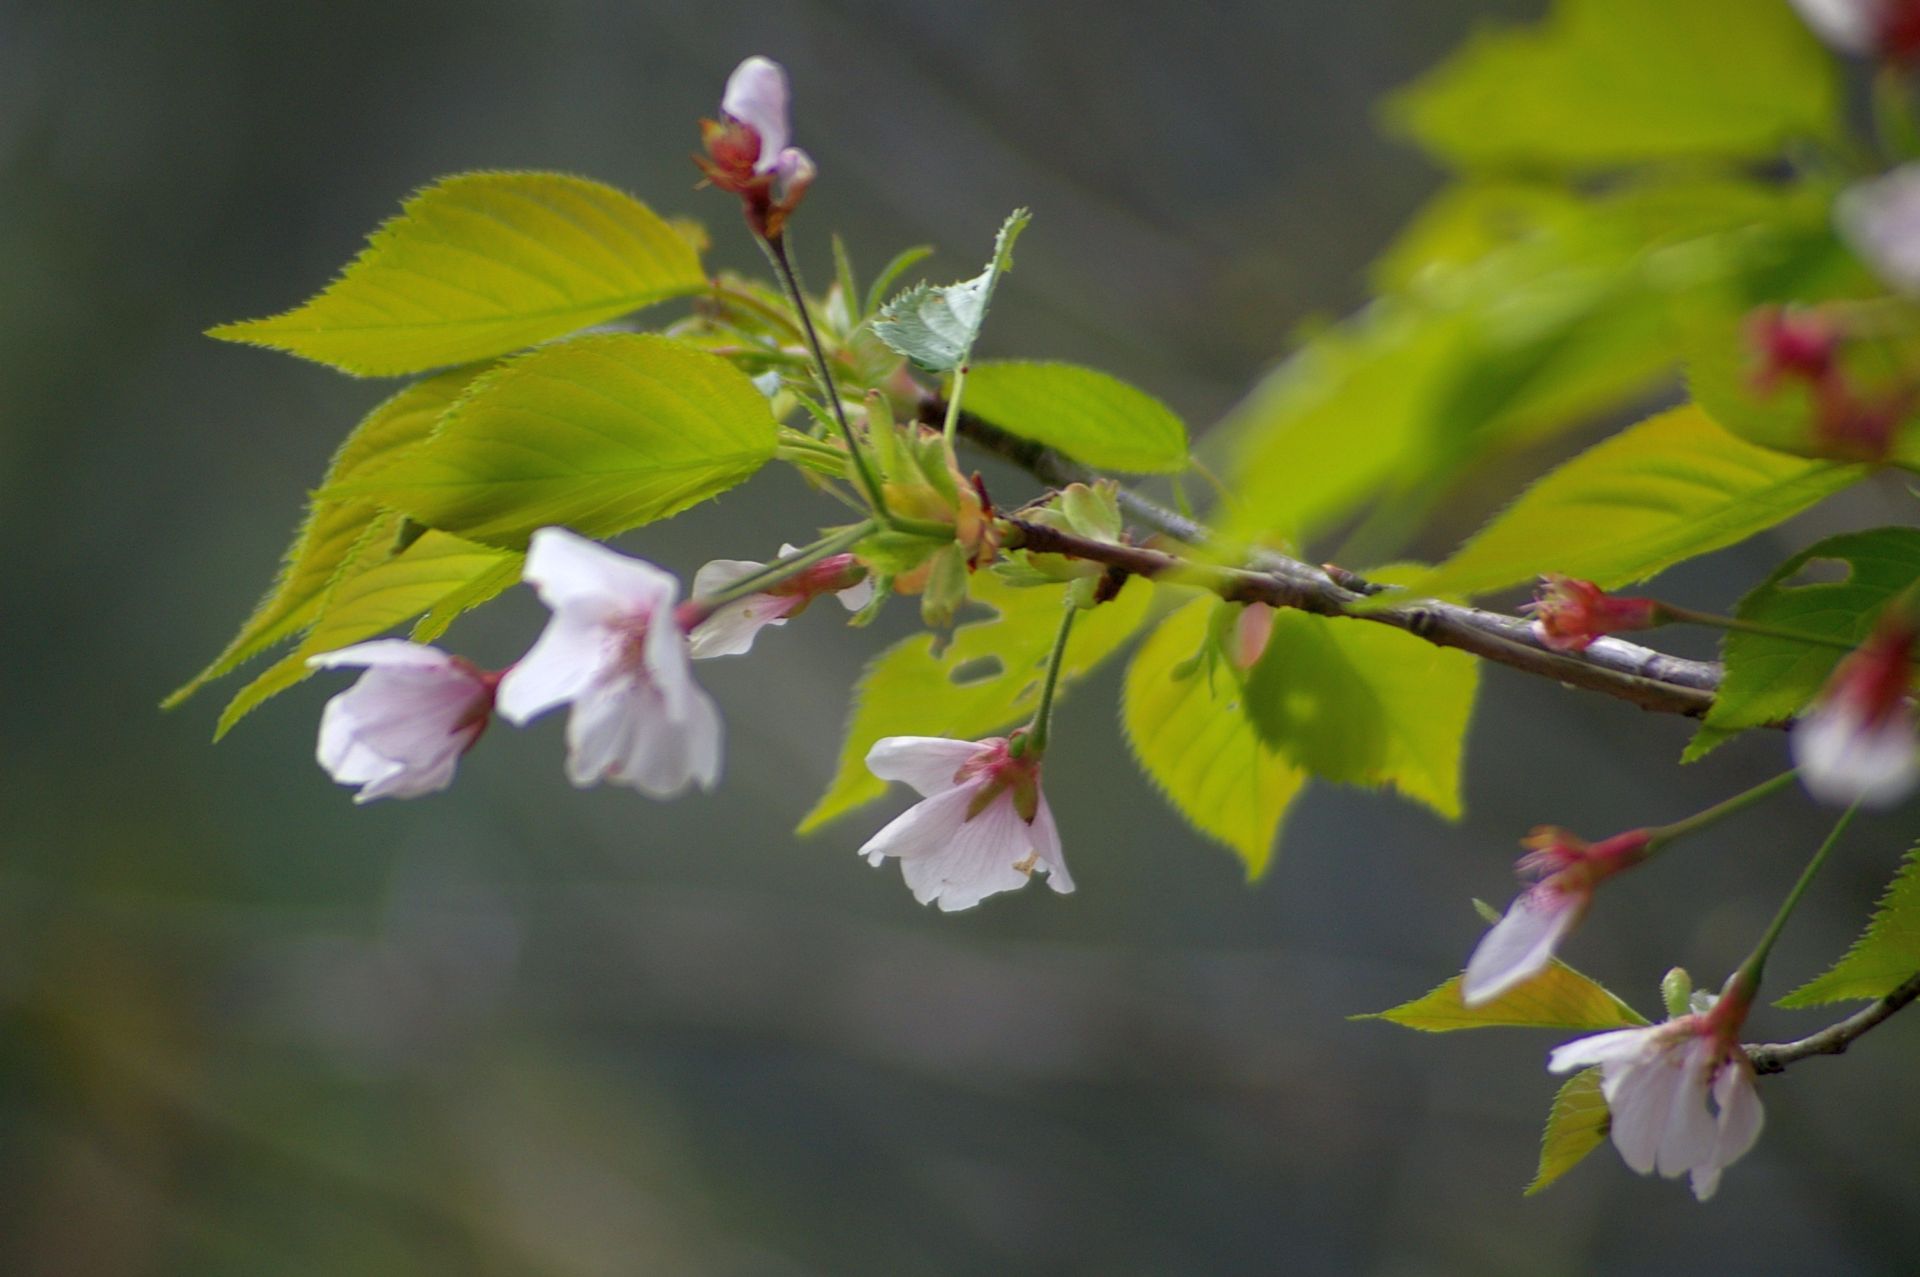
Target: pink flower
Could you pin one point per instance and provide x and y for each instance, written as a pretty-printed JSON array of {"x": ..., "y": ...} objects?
[
  {"x": 747, "y": 152},
  {"x": 1887, "y": 29},
  {"x": 1857, "y": 744},
  {"x": 1565, "y": 871},
  {"x": 614, "y": 652},
  {"x": 983, "y": 828},
  {"x": 1569, "y": 614},
  {"x": 730, "y": 629},
  {"x": 1792, "y": 343},
  {"x": 400, "y": 731},
  {"x": 1658, "y": 1081},
  {"x": 757, "y": 96}
]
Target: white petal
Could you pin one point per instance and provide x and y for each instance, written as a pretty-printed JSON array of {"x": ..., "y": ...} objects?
[
  {"x": 978, "y": 862},
  {"x": 1044, "y": 837},
  {"x": 399, "y": 732},
  {"x": 757, "y": 95},
  {"x": 1521, "y": 944},
  {"x": 1880, "y": 220},
  {"x": 668, "y": 666},
  {"x": 575, "y": 574},
  {"x": 928, "y": 763},
  {"x": 924, "y": 829},
  {"x": 1688, "y": 1136},
  {"x": 1847, "y": 25},
  {"x": 718, "y": 574},
  {"x": 382, "y": 652},
  {"x": 731, "y": 630},
  {"x": 570, "y": 656},
  {"x": 1740, "y": 1119},
  {"x": 1611, "y": 1047},
  {"x": 793, "y": 171},
  {"x": 1639, "y": 1103},
  {"x": 857, "y": 596},
  {"x": 1842, "y": 760}
]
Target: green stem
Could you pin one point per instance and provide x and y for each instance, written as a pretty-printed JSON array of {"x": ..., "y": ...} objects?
[
  {"x": 1665, "y": 834},
  {"x": 932, "y": 529},
  {"x": 1691, "y": 617},
  {"x": 1043, "y": 715},
  {"x": 780, "y": 569},
  {"x": 1748, "y": 976},
  {"x": 776, "y": 250},
  {"x": 952, "y": 427}
]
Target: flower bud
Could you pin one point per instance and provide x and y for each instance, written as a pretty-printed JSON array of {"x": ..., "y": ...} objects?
[{"x": 1569, "y": 614}]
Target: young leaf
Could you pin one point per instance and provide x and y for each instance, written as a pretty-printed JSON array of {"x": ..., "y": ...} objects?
[
  {"x": 1087, "y": 415},
  {"x": 600, "y": 433},
  {"x": 1769, "y": 679},
  {"x": 1670, "y": 488},
  {"x": 374, "y": 594},
  {"x": 985, "y": 681},
  {"x": 903, "y": 261},
  {"x": 936, "y": 327},
  {"x": 1576, "y": 1125},
  {"x": 1186, "y": 728},
  {"x": 1557, "y": 998},
  {"x": 1361, "y": 704},
  {"x": 333, "y": 528},
  {"x": 482, "y": 264},
  {"x": 1605, "y": 83},
  {"x": 1883, "y": 958}
]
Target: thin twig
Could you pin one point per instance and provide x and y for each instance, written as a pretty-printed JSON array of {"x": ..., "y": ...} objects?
[{"x": 1774, "y": 1057}]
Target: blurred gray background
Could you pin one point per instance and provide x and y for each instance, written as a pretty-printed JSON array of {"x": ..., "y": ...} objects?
[{"x": 247, "y": 1028}]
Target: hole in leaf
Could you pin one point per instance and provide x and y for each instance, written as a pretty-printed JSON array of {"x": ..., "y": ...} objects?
[
  {"x": 1819, "y": 572},
  {"x": 980, "y": 669}
]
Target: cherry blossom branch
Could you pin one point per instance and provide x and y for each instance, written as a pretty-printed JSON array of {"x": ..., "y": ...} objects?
[{"x": 1774, "y": 1057}]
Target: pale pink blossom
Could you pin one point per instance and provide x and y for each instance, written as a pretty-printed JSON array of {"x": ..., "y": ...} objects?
[
  {"x": 1564, "y": 870},
  {"x": 614, "y": 651},
  {"x": 757, "y": 96},
  {"x": 1658, "y": 1082},
  {"x": 747, "y": 152},
  {"x": 731, "y": 628},
  {"x": 1880, "y": 220},
  {"x": 400, "y": 730},
  {"x": 1857, "y": 744},
  {"x": 984, "y": 826}
]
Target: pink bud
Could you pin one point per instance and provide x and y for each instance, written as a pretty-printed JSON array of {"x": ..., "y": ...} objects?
[{"x": 1569, "y": 614}]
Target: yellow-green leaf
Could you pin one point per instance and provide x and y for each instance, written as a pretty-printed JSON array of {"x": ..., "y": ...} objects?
[
  {"x": 1576, "y": 1125},
  {"x": 1186, "y": 726},
  {"x": 1088, "y": 415},
  {"x": 987, "y": 679},
  {"x": 482, "y": 264},
  {"x": 1603, "y": 83},
  {"x": 600, "y": 433},
  {"x": 1882, "y": 959},
  {"x": 1557, "y": 998},
  {"x": 333, "y": 528},
  {"x": 1670, "y": 488},
  {"x": 373, "y": 595}
]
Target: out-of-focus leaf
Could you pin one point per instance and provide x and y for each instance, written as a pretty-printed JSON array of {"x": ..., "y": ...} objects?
[
  {"x": 600, "y": 433},
  {"x": 333, "y": 528},
  {"x": 1769, "y": 679},
  {"x": 1670, "y": 488},
  {"x": 481, "y": 264},
  {"x": 936, "y": 326},
  {"x": 1088, "y": 415},
  {"x": 1362, "y": 704},
  {"x": 1576, "y": 1125},
  {"x": 985, "y": 681},
  {"x": 1188, "y": 729},
  {"x": 1557, "y": 998},
  {"x": 1604, "y": 83},
  {"x": 1882, "y": 959}
]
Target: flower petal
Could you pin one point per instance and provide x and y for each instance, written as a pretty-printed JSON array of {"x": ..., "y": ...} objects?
[
  {"x": 756, "y": 95},
  {"x": 1044, "y": 837},
  {"x": 575, "y": 574},
  {"x": 1611, "y": 1047},
  {"x": 730, "y": 631},
  {"x": 928, "y": 763},
  {"x": 569, "y": 657},
  {"x": 1843, "y": 759},
  {"x": 1880, "y": 220},
  {"x": 924, "y": 829},
  {"x": 718, "y": 574},
  {"x": 1522, "y": 943}
]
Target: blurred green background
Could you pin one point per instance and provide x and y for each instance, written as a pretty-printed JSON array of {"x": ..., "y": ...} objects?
[{"x": 249, "y": 1029}]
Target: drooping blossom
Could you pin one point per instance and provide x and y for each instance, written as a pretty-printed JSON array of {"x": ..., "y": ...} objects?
[
  {"x": 400, "y": 730},
  {"x": 1888, "y": 29},
  {"x": 1569, "y": 614},
  {"x": 1563, "y": 871},
  {"x": 730, "y": 629},
  {"x": 615, "y": 652},
  {"x": 1658, "y": 1082},
  {"x": 1857, "y": 744},
  {"x": 1850, "y": 422},
  {"x": 983, "y": 827},
  {"x": 747, "y": 150}
]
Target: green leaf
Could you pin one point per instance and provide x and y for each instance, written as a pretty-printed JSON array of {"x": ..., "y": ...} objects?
[
  {"x": 1673, "y": 487},
  {"x": 1577, "y": 1124},
  {"x": 600, "y": 433},
  {"x": 1881, "y": 960},
  {"x": 481, "y": 264},
  {"x": 1362, "y": 704},
  {"x": 1557, "y": 998},
  {"x": 987, "y": 679},
  {"x": 1186, "y": 728},
  {"x": 1605, "y": 83},
  {"x": 936, "y": 326},
  {"x": 903, "y": 261},
  {"x": 1090, "y": 416},
  {"x": 374, "y": 594},
  {"x": 333, "y": 528},
  {"x": 1771, "y": 679}
]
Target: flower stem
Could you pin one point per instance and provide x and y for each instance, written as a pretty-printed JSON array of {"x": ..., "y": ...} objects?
[
  {"x": 1043, "y": 716},
  {"x": 1691, "y": 617},
  {"x": 1665, "y": 834},
  {"x": 780, "y": 569},
  {"x": 1748, "y": 976},
  {"x": 952, "y": 426},
  {"x": 776, "y": 250}
]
